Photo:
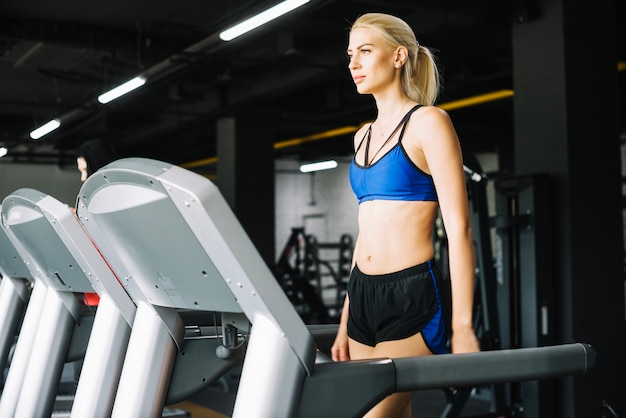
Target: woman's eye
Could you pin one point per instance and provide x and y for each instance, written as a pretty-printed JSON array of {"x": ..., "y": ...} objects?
[{"x": 365, "y": 51}]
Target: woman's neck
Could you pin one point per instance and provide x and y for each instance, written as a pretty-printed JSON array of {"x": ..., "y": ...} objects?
[
  {"x": 390, "y": 110},
  {"x": 390, "y": 103}
]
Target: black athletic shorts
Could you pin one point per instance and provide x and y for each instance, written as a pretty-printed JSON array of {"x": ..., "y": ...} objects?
[{"x": 394, "y": 306}]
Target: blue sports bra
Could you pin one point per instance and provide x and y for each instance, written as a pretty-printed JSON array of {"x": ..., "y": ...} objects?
[{"x": 394, "y": 176}]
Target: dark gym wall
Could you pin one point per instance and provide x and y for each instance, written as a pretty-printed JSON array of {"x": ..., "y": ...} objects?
[{"x": 566, "y": 125}]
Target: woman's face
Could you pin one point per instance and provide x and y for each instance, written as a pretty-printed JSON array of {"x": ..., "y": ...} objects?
[
  {"x": 371, "y": 63},
  {"x": 82, "y": 167}
]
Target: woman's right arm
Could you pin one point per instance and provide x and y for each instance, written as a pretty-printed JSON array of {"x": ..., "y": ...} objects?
[{"x": 339, "y": 350}]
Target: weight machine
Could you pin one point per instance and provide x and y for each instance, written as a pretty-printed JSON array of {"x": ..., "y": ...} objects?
[{"x": 300, "y": 270}]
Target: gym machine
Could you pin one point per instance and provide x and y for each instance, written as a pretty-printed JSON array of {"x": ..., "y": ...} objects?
[
  {"x": 525, "y": 278},
  {"x": 300, "y": 265},
  {"x": 64, "y": 264},
  {"x": 15, "y": 290},
  {"x": 515, "y": 297},
  {"x": 57, "y": 246},
  {"x": 175, "y": 244},
  {"x": 295, "y": 270}
]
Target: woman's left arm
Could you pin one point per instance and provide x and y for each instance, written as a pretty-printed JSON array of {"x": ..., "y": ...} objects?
[{"x": 436, "y": 137}]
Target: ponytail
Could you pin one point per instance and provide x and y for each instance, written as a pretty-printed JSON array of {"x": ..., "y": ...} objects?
[{"x": 420, "y": 77}]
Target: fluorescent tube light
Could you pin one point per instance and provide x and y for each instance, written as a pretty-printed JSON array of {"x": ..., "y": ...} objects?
[
  {"x": 122, "y": 89},
  {"x": 3, "y": 151},
  {"x": 261, "y": 19},
  {"x": 322, "y": 165},
  {"x": 45, "y": 129}
]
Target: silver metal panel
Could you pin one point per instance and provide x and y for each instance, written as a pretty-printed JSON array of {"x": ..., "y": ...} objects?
[
  {"x": 11, "y": 263},
  {"x": 58, "y": 249},
  {"x": 14, "y": 296},
  {"x": 146, "y": 234},
  {"x": 103, "y": 362},
  {"x": 272, "y": 376},
  {"x": 23, "y": 217},
  {"x": 147, "y": 367},
  {"x": 178, "y": 244},
  {"x": 50, "y": 238},
  {"x": 78, "y": 249},
  {"x": 47, "y": 355},
  {"x": 61, "y": 254},
  {"x": 21, "y": 356}
]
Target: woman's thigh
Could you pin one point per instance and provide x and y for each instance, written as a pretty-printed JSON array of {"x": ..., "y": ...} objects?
[
  {"x": 407, "y": 347},
  {"x": 397, "y": 404}
]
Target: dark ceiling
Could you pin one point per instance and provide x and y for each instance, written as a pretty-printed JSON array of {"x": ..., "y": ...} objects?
[{"x": 57, "y": 57}]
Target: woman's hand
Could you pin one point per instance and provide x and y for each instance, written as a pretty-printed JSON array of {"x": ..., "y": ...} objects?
[
  {"x": 339, "y": 350},
  {"x": 464, "y": 340}
]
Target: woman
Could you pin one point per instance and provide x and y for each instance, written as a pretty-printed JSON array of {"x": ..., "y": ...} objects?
[
  {"x": 407, "y": 165},
  {"x": 92, "y": 155}
]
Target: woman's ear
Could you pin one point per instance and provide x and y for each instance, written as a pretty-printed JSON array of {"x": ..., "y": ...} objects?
[{"x": 400, "y": 56}]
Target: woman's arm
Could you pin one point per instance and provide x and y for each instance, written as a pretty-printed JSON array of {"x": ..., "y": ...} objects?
[
  {"x": 436, "y": 138},
  {"x": 339, "y": 350}
]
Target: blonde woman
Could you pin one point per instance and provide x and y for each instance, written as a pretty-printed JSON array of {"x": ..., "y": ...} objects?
[{"x": 407, "y": 165}]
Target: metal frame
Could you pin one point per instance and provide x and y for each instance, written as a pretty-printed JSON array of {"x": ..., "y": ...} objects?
[
  {"x": 62, "y": 261},
  {"x": 14, "y": 295}
]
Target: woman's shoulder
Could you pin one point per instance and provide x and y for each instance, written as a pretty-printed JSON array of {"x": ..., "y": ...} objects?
[
  {"x": 429, "y": 121},
  {"x": 430, "y": 114},
  {"x": 430, "y": 126}
]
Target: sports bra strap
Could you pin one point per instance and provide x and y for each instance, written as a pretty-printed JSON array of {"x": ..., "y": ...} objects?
[
  {"x": 406, "y": 119},
  {"x": 363, "y": 139},
  {"x": 403, "y": 121},
  {"x": 368, "y": 135}
]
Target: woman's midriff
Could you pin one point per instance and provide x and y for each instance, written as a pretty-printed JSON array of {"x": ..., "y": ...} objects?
[{"x": 394, "y": 235}]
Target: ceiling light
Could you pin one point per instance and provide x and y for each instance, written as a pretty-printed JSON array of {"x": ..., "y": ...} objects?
[
  {"x": 45, "y": 129},
  {"x": 322, "y": 165},
  {"x": 3, "y": 151},
  {"x": 261, "y": 19},
  {"x": 122, "y": 89}
]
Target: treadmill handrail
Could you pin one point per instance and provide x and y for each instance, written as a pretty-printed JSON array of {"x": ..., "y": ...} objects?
[
  {"x": 497, "y": 366},
  {"x": 350, "y": 388}
]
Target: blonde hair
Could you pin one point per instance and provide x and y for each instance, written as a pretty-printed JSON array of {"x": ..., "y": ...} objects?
[{"x": 420, "y": 75}]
